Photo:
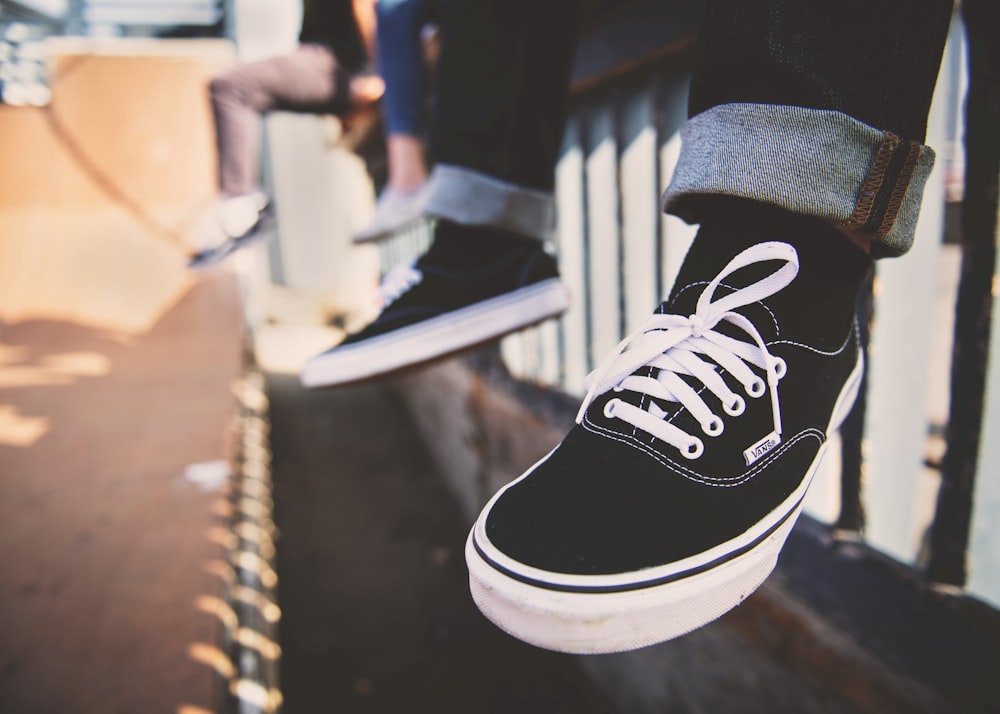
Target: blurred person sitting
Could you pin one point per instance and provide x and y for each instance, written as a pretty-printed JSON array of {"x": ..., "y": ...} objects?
[{"x": 327, "y": 73}]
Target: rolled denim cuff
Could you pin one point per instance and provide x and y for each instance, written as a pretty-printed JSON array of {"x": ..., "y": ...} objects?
[
  {"x": 471, "y": 198},
  {"x": 809, "y": 161}
]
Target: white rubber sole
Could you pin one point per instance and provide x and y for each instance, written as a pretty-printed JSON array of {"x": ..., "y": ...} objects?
[
  {"x": 438, "y": 336},
  {"x": 613, "y": 613}
]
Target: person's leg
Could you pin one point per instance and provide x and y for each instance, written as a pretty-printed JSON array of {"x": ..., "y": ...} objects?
[
  {"x": 306, "y": 78},
  {"x": 832, "y": 96},
  {"x": 500, "y": 112},
  {"x": 403, "y": 67},
  {"x": 669, "y": 501},
  {"x": 402, "y": 64},
  {"x": 309, "y": 79},
  {"x": 501, "y": 96}
]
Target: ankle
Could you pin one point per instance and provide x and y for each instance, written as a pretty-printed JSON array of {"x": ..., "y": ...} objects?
[{"x": 407, "y": 165}]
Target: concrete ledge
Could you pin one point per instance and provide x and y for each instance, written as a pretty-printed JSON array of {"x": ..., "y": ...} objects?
[{"x": 481, "y": 426}]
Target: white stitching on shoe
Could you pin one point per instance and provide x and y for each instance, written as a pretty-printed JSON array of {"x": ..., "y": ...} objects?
[
  {"x": 691, "y": 475},
  {"x": 673, "y": 344},
  {"x": 777, "y": 327},
  {"x": 816, "y": 350}
]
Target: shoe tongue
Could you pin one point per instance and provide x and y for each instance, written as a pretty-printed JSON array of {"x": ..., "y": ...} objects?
[
  {"x": 818, "y": 306},
  {"x": 759, "y": 313}
]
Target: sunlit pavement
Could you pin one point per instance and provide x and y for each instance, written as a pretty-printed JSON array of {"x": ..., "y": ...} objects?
[{"x": 114, "y": 419}]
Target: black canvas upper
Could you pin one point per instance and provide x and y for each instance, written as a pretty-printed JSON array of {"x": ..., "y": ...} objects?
[
  {"x": 464, "y": 265},
  {"x": 613, "y": 499}
]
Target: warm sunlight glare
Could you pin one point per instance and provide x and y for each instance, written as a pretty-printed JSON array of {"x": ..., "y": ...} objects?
[
  {"x": 19, "y": 430},
  {"x": 213, "y": 657}
]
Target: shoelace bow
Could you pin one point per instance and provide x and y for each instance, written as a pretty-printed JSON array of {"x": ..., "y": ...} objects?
[
  {"x": 673, "y": 344},
  {"x": 397, "y": 281}
]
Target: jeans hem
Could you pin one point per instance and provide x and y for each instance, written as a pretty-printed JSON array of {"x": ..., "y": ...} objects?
[
  {"x": 468, "y": 197},
  {"x": 808, "y": 161}
]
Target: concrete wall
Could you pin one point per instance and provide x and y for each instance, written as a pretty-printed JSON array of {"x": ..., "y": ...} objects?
[{"x": 481, "y": 427}]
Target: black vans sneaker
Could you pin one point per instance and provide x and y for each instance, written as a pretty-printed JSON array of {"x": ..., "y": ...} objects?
[
  {"x": 669, "y": 501},
  {"x": 473, "y": 285}
]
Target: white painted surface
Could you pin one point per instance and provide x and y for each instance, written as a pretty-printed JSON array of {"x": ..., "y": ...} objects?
[
  {"x": 984, "y": 546},
  {"x": 640, "y": 208},
  {"x": 264, "y": 28},
  {"x": 603, "y": 233},
  {"x": 570, "y": 232},
  {"x": 899, "y": 367}
]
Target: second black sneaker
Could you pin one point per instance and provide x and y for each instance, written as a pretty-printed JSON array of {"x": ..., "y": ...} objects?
[
  {"x": 669, "y": 501},
  {"x": 473, "y": 285}
]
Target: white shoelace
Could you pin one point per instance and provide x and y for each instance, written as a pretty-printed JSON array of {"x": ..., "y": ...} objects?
[
  {"x": 397, "y": 281},
  {"x": 674, "y": 344}
]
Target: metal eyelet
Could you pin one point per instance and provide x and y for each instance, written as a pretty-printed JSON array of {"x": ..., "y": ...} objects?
[
  {"x": 737, "y": 407},
  {"x": 609, "y": 408},
  {"x": 714, "y": 427},
  {"x": 693, "y": 450},
  {"x": 780, "y": 368},
  {"x": 757, "y": 388}
]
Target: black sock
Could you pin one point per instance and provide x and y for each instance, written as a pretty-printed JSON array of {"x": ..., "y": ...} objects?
[{"x": 819, "y": 304}]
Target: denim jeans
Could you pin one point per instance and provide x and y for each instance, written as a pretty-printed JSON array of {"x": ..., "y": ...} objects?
[
  {"x": 816, "y": 107},
  {"x": 402, "y": 65},
  {"x": 819, "y": 108},
  {"x": 309, "y": 79},
  {"x": 500, "y": 111}
]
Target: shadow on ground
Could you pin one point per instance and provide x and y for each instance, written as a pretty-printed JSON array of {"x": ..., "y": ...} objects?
[{"x": 373, "y": 586}]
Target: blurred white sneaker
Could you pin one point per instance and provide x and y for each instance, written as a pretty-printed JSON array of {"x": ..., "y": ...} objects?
[
  {"x": 239, "y": 220},
  {"x": 238, "y": 215},
  {"x": 394, "y": 210}
]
